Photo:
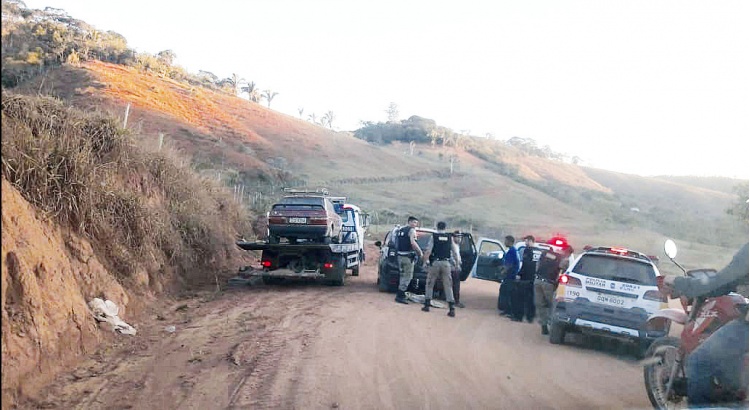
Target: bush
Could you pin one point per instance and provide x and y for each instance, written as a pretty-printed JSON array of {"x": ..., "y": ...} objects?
[{"x": 83, "y": 171}]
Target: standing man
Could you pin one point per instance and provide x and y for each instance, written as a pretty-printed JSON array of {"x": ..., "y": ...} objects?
[
  {"x": 550, "y": 264},
  {"x": 442, "y": 248},
  {"x": 522, "y": 300},
  {"x": 407, "y": 250},
  {"x": 456, "y": 271},
  {"x": 509, "y": 264}
]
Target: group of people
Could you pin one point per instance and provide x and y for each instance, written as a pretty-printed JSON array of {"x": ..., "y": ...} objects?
[
  {"x": 444, "y": 264},
  {"x": 528, "y": 287}
]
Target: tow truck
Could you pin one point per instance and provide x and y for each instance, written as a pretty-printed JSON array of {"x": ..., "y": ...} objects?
[{"x": 310, "y": 259}]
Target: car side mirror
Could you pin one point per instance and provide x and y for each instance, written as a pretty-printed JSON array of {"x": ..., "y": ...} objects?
[{"x": 378, "y": 244}]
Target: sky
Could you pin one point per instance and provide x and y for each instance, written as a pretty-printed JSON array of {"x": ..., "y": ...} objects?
[{"x": 639, "y": 86}]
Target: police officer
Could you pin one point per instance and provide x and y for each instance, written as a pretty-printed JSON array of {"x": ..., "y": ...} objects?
[
  {"x": 522, "y": 299},
  {"x": 442, "y": 249},
  {"x": 407, "y": 250},
  {"x": 548, "y": 270},
  {"x": 456, "y": 271}
]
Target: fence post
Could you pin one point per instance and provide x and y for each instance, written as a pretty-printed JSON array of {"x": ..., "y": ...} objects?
[
  {"x": 161, "y": 140},
  {"x": 127, "y": 112}
]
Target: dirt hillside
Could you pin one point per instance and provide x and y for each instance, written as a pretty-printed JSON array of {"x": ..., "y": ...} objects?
[{"x": 48, "y": 277}]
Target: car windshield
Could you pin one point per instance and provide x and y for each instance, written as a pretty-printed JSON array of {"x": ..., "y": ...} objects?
[{"x": 617, "y": 269}]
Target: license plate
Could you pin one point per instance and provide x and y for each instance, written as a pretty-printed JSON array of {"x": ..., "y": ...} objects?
[
  {"x": 297, "y": 220},
  {"x": 611, "y": 300}
]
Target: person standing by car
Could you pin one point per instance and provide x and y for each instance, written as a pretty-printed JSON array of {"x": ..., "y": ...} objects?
[
  {"x": 456, "y": 271},
  {"x": 442, "y": 248},
  {"x": 722, "y": 355},
  {"x": 407, "y": 250},
  {"x": 522, "y": 299},
  {"x": 509, "y": 265},
  {"x": 547, "y": 272}
]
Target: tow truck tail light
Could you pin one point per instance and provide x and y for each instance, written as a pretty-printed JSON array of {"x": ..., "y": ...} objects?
[
  {"x": 327, "y": 265},
  {"x": 570, "y": 281},
  {"x": 655, "y": 296},
  {"x": 266, "y": 263}
]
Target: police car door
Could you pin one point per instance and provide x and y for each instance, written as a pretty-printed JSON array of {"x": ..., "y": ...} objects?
[{"x": 489, "y": 258}]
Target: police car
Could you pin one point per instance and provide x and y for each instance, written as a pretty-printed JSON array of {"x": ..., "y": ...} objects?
[
  {"x": 609, "y": 292},
  {"x": 388, "y": 269}
]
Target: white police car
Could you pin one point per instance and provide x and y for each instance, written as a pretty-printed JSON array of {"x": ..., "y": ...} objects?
[{"x": 610, "y": 292}]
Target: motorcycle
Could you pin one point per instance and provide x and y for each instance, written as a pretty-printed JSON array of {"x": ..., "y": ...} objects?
[{"x": 665, "y": 360}]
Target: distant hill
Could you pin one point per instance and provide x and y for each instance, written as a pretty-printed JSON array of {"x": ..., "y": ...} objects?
[{"x": 486, "y": 186}]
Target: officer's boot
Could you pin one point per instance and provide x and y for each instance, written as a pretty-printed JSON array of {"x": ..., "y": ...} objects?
[
  {"x": 451, "y": 309},
  {"x": 426, "y": 307},
  {"x": 401, "y": 297}
]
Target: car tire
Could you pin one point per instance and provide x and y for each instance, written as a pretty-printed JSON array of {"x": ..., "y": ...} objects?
[
  {"x": 382, "y": 284},
  {"x": 339, "y": 273},
  {"x": 557, "y": 332},
  {"x": 355, "y": 271}
]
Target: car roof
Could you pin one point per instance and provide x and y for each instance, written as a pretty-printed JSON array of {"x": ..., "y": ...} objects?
[{"x": 618, "y": 252}]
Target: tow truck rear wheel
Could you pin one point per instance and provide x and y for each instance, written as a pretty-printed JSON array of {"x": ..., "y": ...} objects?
[{"x": 337, "y": 276}]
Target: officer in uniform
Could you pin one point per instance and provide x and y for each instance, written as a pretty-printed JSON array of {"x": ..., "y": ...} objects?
[
  {"x": 522, "y": 298},
  {"x": 546, "y": 282},
  {"x": 442, "y": 249},
  {"x": 407, "y": 250}
]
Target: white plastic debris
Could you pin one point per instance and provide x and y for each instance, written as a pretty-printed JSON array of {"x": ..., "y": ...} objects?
[
  {"x": 420, "y": 299},
  {"x": 106, "y": 311}
]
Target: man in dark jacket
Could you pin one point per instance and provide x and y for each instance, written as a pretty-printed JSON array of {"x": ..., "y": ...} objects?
[
  {"x": 522, "y": 300},
  {"x": 723, "y": 355},
  {"x": 509, "y": 264}
]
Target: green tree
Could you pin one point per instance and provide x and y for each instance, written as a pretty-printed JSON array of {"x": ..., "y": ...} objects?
[
  {"x": 740, "y": 206},
  {"x": 328, "y": 118},
  {"x": 268, "y": 95},
  {"x": 392, "y": 112},
  {"x": 253, "y": 94},
  {"x": 166, "y": 57}
]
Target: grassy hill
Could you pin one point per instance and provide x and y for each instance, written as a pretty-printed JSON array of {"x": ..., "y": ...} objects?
[{"x": 259, "y": 150}]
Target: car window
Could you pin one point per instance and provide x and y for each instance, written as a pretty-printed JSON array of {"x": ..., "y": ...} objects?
[
  {"x": 345, "y": 216},
  {"x": 424, "y": 239},
  {"x": 617, "y": 269},
  {"x": 302, "y": 200},
  {"x": 296, "y": 207}
]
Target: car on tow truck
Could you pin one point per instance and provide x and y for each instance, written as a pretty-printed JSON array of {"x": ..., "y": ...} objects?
[
  {"x": 304, "y": 215},
  {"x": 388, "y": 270},
  {"x": 608, "y": 292}
]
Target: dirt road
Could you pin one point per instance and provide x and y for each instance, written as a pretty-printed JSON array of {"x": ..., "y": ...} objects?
[{"x": 309, "y": 346}]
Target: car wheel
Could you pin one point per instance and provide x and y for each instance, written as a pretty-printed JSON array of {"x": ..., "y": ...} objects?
[
  {"x": 355, "y": 271},
  {"x": 382, "y": 283},
  {"x": 556, "y": 332}
]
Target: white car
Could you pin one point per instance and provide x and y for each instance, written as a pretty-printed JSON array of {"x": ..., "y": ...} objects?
[{"x": 610, "y": 292}]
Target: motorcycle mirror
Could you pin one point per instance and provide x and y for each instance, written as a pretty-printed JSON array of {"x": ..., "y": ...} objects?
[{"x": 670, "y": 248}]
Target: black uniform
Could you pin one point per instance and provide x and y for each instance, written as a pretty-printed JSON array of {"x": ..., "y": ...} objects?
[{"x": 522, "y": 299}]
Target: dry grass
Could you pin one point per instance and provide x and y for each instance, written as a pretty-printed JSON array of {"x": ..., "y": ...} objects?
[{"x": 139, "y": 206}]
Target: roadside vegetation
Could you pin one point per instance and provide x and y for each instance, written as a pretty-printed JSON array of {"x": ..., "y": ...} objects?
[{"x": 138, "y": 206}]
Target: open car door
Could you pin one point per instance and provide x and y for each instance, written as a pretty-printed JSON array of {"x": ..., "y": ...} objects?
[
  {"x": 468, "y": 252},
  {"x": 490, "y": 253}
]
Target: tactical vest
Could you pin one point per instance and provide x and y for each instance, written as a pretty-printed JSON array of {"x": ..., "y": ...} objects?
[
  {"x": 441, "y": 245},
  {"x": 403, "y": 243},
  {"x": 549, "y": 266}
]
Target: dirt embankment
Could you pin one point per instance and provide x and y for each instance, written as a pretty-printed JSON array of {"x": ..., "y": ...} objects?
[{"x": 48, "y": 277}]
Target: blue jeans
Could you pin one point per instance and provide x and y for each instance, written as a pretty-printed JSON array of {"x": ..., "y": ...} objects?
[{"x": 720, "y": 356}]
